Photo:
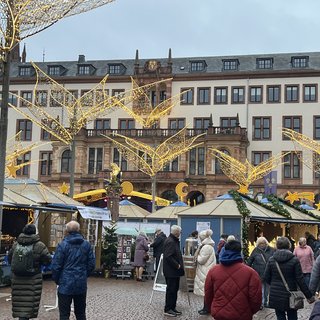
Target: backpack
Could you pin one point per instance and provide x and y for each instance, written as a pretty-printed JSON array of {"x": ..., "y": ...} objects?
[{"x": 22, "y": 260}]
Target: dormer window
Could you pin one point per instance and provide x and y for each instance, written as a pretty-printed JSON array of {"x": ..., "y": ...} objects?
[
  {"x": 25, "y": 71},
  {"x": 114, "y": 68},
  {"x": 264, "y": 63},
  {"x": 299, "y": 62},
  {"x": 84, "y": 69},
  {"x": 230, "y": 64},
  {"x": 54, "y": 70},
  {"x": 197, "y": 66}
]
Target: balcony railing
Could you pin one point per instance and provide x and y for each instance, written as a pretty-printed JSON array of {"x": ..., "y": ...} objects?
[{"x": 144, "y": 133}]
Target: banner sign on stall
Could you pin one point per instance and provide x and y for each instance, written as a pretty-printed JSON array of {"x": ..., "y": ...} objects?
[{"x": 95, "y": 213}]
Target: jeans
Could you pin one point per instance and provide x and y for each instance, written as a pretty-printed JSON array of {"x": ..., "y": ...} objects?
[
  {"x": 79, "y": 302},
  {"x": 291, "y": 314},
  {"x": 171, "y": 293},
  {"x": 306, "y": 277},
  {"x": 265, "y": 294}
]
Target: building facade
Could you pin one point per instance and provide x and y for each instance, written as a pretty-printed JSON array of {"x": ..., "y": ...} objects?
[{"x": 241, "y": 102}]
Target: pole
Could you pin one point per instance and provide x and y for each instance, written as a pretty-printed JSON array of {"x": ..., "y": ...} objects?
[
  {"x": 72, "y": 167},
  {"x": 98, "y": 246},
  {"x": 4, "y": 128},
  {"x": 153, "y": 189}
]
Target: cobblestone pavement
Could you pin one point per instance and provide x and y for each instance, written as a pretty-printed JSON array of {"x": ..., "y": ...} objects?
[{"x": 125, "y": 300}]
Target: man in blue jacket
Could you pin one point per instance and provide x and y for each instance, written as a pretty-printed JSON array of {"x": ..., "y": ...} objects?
[{"x": 71, "y": 265}]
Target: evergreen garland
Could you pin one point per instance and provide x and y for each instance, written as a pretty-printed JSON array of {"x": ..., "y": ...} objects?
[{"x": 245, "y": 213}]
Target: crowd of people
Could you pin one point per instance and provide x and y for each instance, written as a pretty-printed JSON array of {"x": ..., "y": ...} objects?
[{"x": 231, "y": 287}]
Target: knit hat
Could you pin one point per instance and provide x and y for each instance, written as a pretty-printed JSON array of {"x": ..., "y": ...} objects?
[{"x": 29, "y": 229}]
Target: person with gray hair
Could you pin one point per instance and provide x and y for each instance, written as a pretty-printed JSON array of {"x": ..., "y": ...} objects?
[
  {"x": 72, "y": 264},
  {"x": 172, "y": 270},
  {"x": 258, "y": 260},
  {"x": 140, "y": 254}
]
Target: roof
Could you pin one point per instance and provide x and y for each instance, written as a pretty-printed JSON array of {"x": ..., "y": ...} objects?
[
  {"x": 169, "y": 212},
  {"x": 181, "y": 66},
  {"x": 128, "y": 209}
]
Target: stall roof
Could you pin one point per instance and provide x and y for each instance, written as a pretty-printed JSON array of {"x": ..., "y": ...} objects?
[
  {"x": 15, "y": 198},
  {"x": 169, "y": 212},
  {"x": 37, "y": 192},
  {"x": 128, "y": 209}
]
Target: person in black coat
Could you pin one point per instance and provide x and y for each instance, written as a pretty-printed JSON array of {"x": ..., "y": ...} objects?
[
  {"x": 172, "y": 270},
  {"x": 258, "y": 260},
  {"x": 157, "y": 245},
  {"x": 291, "y": 270}
]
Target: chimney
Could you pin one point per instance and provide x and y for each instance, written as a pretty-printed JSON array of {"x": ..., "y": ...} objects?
[
  {"x": 136, "y": 63},
  {"x": 82, "y": 58},
  {"x": 169, "y": 58}
]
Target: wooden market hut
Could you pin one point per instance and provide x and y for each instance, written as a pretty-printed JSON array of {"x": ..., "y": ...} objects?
[{"x": 130, "y": 212}]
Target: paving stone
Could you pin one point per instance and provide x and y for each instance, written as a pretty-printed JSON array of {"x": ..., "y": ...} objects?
[{"x": 111, "y": 299}]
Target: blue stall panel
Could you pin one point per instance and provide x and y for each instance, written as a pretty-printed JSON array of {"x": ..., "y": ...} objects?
[{"x": 232, "y": 226}]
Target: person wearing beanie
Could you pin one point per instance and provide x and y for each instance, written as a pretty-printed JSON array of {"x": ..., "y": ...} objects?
[
  {"x": 205, "y": 259},
  {"x": 232, "y": 289},
  {"x": 27, "y": 284}
]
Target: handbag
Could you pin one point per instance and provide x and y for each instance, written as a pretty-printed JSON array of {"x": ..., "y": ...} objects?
[
  {"x": 146, "y": 257},
  {"x": 296, "y": 299}
]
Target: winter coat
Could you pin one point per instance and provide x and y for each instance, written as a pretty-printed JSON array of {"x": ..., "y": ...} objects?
[
  {"x": 205, "y": 260},
  {"x": 172, "y": 258},
  {"x": 26, "y": 290},
  {"x": 315, "y": 277},
  {"x": 72, "y": 264},
  {"x": 233, "y": 291},
  {"x": 291, "y": 270},
  {"x": 140, "y": 251},
  {"x": 306, "y": 257},
  {"x": 157, "y": 245},
  {"x": 315, "y": 314},
  {"x": 258, "y": 259}
]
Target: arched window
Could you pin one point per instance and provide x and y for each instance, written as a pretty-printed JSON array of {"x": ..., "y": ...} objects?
[
  {"x": 217, "y": 167},
  {"x": 66, "y": 161}
]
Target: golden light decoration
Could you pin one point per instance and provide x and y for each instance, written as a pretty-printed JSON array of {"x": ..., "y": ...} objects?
[
  {"x": 243, "y": 174},
  {"x": 12, "y": 170},
  {"x": 318, "y": 206},
  {"x": 179, "y": 189},
  {"x": 292, "y": 197},
  {"x": 307, "y": 143},
  {"x": 20, "y": 19},
  {"x": 64, "y": 188},
  {"x": 151, "y": 160}
]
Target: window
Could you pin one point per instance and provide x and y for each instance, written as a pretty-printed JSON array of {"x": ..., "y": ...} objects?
[
  {"x": 86, "y": 98},
  {"x": 25, "y": 126},
  {"x": 102, "y": 124},
  {"x": 237, "y": 95},
  {"x": 273, "y": 94},
  {"x": 57, "y": 98},
  {"x": 176, "y": 123},
  {"x": 230, "y": 64},
  {"x": 13, "y": 98},
  {"x": 264, "y": 63},
  {"x": 291, "y": 166},
  {"x": 45, "y": 163},
  {"x": 126, "y": 124},
  {"x": 114, "y": 69},
  {"x": 95, "y": 160},
  {"x": 101, "y": 96},
  {"x": 299, "y": 62},
  {"x": 84, "y": 70},
  {"x": 172, "y": 166},
  {"x": 260, "y": 156},
  {"x": 119, "y": 93},
  {"x": 310, "y": 93},
  {"x": 255, "y": 94},
  {"x": 292, "y": 93},
  {"x": 228, "y": 122},
  {"x": 316, "y": 165},
  {"x": 187, "y": 97},
  {"x": 25, "y": 170},
  {"x": 201, "y": 123},
  {"x": 26, "y": 97},
  {"x": 155, "y": 100},
  {"x": 203, "y": 95},
  {"x": 54, "y": 70},
  {"x": 292, "y": 122},
  {"x": 221, "y": 95},
  {"x": 66, "y": 161},
  {"x": 197, "y": 66},
  {"x": 316, "y": 132},
  {"x": 261, "y": 128},
  {"x": 41, "y": 98},
  {"x": 45, "y": 135},
  {"x": 120, "y": 160},
  {"x": 25, "y": 71},
  {"x": 196, "y": 162},
  {"x": 217, "y": 165}
]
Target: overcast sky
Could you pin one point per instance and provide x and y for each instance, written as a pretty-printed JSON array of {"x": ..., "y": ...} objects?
[{"x": 190, "y": 28}]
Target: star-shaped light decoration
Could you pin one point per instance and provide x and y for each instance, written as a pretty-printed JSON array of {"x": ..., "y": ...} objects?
[
  {"x": 292, "y": 197},
  {"x": 318, "y": 206},
  {"x": 64, "y": 188},
  {"x": 12, "y": 169},
  {"x": 243, "y": 189}
]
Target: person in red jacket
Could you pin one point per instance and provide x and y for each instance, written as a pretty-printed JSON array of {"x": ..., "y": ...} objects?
[{"x": 232, "y": 289}]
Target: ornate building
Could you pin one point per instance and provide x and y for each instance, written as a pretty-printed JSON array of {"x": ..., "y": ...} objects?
[{"x": 241, "y": 102}]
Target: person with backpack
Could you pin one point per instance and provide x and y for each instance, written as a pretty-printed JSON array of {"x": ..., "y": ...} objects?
[
  {"x": 27, "y": 256},
  {"x": 72, "y": 264}
]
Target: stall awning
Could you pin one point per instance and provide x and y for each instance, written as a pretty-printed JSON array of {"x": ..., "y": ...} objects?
[{"x": 95, "y": 213}]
